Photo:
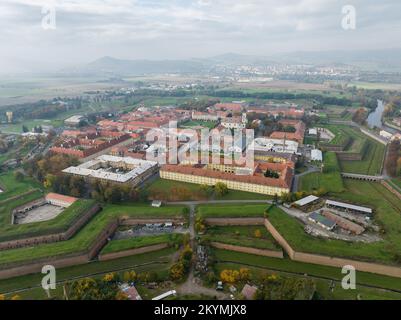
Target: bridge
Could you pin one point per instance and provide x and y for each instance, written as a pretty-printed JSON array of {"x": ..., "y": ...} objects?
[{"x": 362, "y": 177}]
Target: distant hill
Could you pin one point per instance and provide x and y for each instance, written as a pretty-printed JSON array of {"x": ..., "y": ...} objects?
[
  {"x": 374, "y": 60},
  {"x": 109, "y": 65},
  {"x": 377, "y": 60}
]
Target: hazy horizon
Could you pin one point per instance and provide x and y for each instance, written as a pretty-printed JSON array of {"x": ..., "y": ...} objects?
[{"x": 176, "y": 30}]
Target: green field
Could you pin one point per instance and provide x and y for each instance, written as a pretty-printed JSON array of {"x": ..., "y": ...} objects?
[
  {"x": 12, "y": 188},
  {"x": 242, "y": 236},
  {"x": 30, "y": 124},
  {"x": 354, "y": 141},
  {"x": 371, "y": 163},
  {"x": 157, "y": 261},
  {"x": 139, "y": 242},
  {"x": 330, "y": 180},
  {"x": 87, "y": 235},
  {"x": 387, "y": 214},
  {"x": 169, "y": 190},
  {"x": 232, "y": 210},
  {"x": 193, "y": 123},
  {"x": 57, "y": 225},
  {"x": 396, "y": 183},
  {"x": 261, "y": 265}
]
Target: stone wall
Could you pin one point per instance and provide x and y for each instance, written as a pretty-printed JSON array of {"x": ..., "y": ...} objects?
[
  {"x": 62, "y": 236},
  {"x": 132, "y": 252},
  {"x": 258, "y": 252},
  {"x": 331, "y": 261},
  {"x": 391, "y": 189},
  {"x": 234, "y": 221}
]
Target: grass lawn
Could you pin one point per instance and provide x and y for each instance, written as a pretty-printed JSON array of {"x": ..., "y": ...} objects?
[
  {"x": 330, "y": 180},
  {"x": 190, "y": 124},
  {"x": 158, "y": 261},
  {"x": 371, "y": 162},
  {"x": 286, "y": 265},
  {"x": 59, "y": 224},
  {"x": 322, "y": 285},
  {"x": 242, "y": 236},
  {"x": 169, "y": 190},
  {"x": 12, "y": 188},
  {"x": 354, "y": 141},
  {"x": 232, "y": 210},
  {"x": 139, "y": 242},
  {"x": 87, "y": 235},
  {"x": 30, "y": 124},
  {"x": 387, "y": 214},
  {"x": 396, "y": 183}
]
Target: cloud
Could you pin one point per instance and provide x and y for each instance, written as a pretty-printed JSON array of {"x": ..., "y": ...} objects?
[{"x": 88, "y": 29}]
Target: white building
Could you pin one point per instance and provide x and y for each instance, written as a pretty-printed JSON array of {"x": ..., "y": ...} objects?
[
  {"x": 316, "y": 155},
  {"x": 235, "y": 122},
  {"x": 74, "y": 120},
  {"x": 386, "y": 134},
  {"x": 274, "y": 145},
  {"x": 115, "y": 169},
  {"x": 312, "y": 132}
]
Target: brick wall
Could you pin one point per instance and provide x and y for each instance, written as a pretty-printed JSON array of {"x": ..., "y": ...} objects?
[
  {"x": 331, "y": 261},
  {"x": 258, "y": 252},
  {"x": 132, "y": 252},
  {"x": 62, "y": 236}
]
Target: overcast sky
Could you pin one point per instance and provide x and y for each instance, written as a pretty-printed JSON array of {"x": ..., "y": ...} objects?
[{"x": 180, "y": 29}]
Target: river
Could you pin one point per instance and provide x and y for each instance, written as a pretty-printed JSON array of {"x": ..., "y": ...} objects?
[{"x": 375, "y": 119}]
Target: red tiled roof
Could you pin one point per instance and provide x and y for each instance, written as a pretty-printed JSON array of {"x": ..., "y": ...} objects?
[
  {"x": 283, "y": 182},
  {"x": 60, "y": 197}
]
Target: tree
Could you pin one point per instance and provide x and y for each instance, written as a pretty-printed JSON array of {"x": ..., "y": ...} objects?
[
  {"x": 230, "y": 276},
  {"x": 129, "y": 276},
  {"x": 258, "y": 234},
  {"x": 177, "y": 271},
  {"x": 221, "y": 189},
  {"x": 18, "y": 175}
]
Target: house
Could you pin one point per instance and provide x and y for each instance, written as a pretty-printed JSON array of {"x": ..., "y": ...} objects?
[{"x": 59, "y": 200}]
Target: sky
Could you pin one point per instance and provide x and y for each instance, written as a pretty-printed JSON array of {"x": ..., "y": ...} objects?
[{"x": 86, "y": 30}]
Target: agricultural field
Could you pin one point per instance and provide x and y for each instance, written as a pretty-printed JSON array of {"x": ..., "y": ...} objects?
[
  {"x": 87, "y": 235},
  {"x": 232, "y": 210},
  {"x": 264, "y": 265},
  {"x": 330, "y": 180},
  {"x": 247, "y": 236},
  {"x": 387, "y": 215},
  {"x": 169, "y": 190}
]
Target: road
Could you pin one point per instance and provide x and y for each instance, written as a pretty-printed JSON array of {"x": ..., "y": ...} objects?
[{"x": 193, "y": 286}]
